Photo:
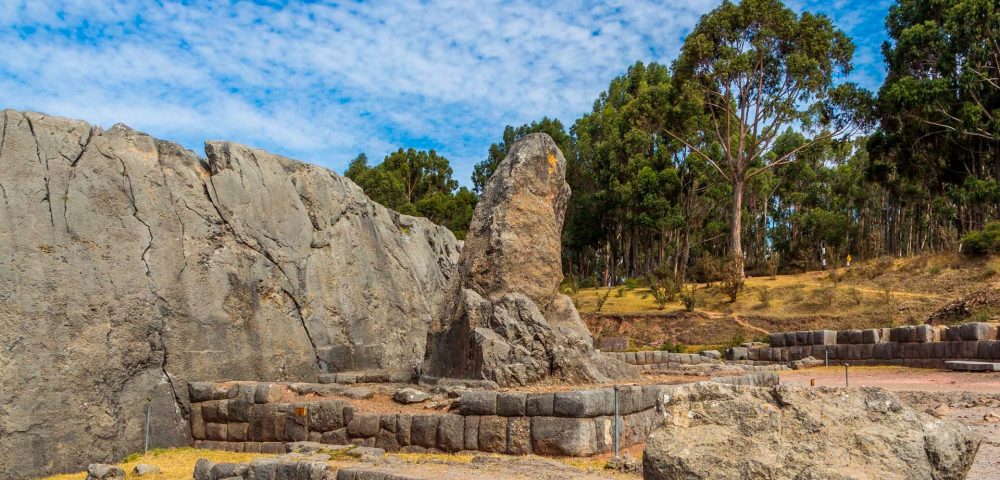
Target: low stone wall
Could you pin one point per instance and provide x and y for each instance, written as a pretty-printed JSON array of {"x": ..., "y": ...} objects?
[
  {"x": 249, "y": 416},
  {"x": 652, "y": 361},
  {"x": 921, "y": 346}
]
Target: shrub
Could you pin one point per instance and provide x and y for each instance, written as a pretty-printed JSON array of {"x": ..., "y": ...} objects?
[
  {"x": 690, "y": 298},
  {"x": 601, "y": 299},
  {"x": 732, "y": 281},
  {"x": 620, "y": 292},
  {"x": 571, "y": 285},
  {"x": 764, "y": 295},
  {"x": 669, "y": 346},
  {"x": 982, "y": 242},
  {"x": 632, "y": 283}
]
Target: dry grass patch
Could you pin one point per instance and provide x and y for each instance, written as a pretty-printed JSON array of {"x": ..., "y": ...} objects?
[{"x": 174, "y": 463}]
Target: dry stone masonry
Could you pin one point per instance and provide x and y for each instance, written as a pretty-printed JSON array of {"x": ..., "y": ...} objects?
[{"x": 921, "y": 346}]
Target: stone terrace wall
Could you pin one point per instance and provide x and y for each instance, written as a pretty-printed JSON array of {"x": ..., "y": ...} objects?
[
  {"x": 659, "y": 360},
  {"x": 922, "y": 346},
  {"x": 249, "y": 416}
]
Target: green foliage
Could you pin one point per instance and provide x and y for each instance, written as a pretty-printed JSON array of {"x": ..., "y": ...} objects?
[
  {"x": 983, "y": 242},
  {"x": 764, "y": 295},
  {"x": 601, "y": 299},
  {"x": 416, "y": 183},
  {"x": 620, "y": 292},
  {"x": 690, "y": 298},
  {"x": 670, "y": 346}
]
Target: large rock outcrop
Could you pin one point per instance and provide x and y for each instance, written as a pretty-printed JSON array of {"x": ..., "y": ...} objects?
[
  {"x": 508, "y": 321},
  {"x": 794, "y": 432},
  {"x": 132, "y": 266}
]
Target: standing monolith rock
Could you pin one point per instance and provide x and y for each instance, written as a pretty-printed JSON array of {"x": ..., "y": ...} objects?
[{"x": 508, "y": 321}]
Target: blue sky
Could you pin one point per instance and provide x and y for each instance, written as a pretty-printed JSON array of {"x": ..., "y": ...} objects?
[{"x": 321, "y": 81}]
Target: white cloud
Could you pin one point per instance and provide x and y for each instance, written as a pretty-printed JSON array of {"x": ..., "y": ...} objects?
[{"x": 322, "y": 82}]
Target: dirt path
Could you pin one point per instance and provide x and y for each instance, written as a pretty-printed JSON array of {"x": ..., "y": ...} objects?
[{"x": 744, "y": 324}]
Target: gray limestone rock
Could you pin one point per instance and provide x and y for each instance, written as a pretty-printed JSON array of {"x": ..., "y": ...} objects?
[
  {"x": 147, "y": 266},
  {"x": 409, "y": 395},
  {"x": 101, "y": 471},
  {"x": 508, "y": 322},
  {"x": 799, "y": 432}
]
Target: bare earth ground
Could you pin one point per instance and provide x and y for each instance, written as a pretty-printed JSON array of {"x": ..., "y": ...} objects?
[{"x": 969, "y": 398}]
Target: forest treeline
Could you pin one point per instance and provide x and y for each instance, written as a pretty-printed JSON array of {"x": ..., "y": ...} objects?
[{"x": 754, "y": 118}]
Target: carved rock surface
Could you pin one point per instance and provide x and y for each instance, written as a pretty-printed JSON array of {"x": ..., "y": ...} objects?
[
  {"x": 713, "y": 430},
  {"x": 508, "y": 321},
  {"x": 132, "y": 266}
]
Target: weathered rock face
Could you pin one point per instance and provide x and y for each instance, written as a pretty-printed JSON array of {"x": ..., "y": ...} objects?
[
  {"x": 794, "y": 432},
  {"x": 132, "y": 266},
  {"x": 508, "y": 322}
]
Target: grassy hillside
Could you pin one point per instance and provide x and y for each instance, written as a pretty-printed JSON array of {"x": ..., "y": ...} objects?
[{"x": 878, "y": 293}]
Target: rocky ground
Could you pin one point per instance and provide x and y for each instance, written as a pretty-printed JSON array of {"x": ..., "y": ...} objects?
[{"x": 970, "y": 398}]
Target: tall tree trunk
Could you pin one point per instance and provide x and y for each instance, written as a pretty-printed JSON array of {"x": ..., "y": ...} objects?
[{"x": 736, "y": 226}]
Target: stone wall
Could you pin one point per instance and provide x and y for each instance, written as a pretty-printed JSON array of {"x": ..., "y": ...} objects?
[
  {"x": 921, "y": 346},
  {"x": 652, "y": 360},
  {"x": 251, "y": 417}
]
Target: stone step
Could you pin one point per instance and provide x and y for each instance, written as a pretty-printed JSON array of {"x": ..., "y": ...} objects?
[{"x": 970, "y": 366}]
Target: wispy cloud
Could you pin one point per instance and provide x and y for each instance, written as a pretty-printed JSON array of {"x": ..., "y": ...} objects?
[{"x": 322, "y": 82}]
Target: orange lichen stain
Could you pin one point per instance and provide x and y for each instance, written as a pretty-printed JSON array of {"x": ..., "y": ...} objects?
[{"x": 553, "y": 163}]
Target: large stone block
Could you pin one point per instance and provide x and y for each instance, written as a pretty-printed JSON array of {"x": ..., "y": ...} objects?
[
  {"x": 871, "y": 335},
  {"x": 423, "y": 430},
  {"x": 584, "y": 403},
  {"x": 538, "y": 404},
  {"x": 901, "y": 334},
  {"x": 215, "y": 411},
  {"x": 267, "y": 392},
  {"x": 519, "y": 435},
  {"x": 335, "y": 437},
  {"x": 575, "y": 437},
  {"x": 471, "y": 433},
  {"x": 493, "y": 433},
  {"x": 216, "y": 431},
  {"x": 970, "y": 349},
  {"x": 776, "y": 339},
  {"x": 326, "y": 415},
  {"x": 363, "y": 425},
  {"x": 975, "y": 331},
  {"x": 510, "y": 404},
  {"x": 479, "y": 402},
  {"x": 205, "y": 391},
  {"x": 923, "y": 333},
  {"x": 451, "y": 433},
  {"x": 197, "y": 422},
  {"x": 404, "y": 424},
  {"x": 801, "y": 338},
  {"x": 629, "y": 399},
  {"x": 824, "y": 337},
  {"x": 237, "y": 432},
  {"x": 295, "y": 423},
  {"x": 267, "y": 422}
]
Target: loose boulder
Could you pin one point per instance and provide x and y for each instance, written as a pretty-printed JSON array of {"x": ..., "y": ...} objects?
[
  {"x": 409, "y": 395},
  {"x": 101, "y": 471},
  {"x": 508, "y": 321},
  {"x": 713, "y": 430}
]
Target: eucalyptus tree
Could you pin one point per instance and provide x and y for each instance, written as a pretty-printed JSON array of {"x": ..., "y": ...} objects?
[{"x": 757, "y": 67}]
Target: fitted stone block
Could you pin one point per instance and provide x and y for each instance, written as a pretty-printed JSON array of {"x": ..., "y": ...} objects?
[
  {"x": 471, "y": 432},
  {"x": 335, "y": 437},
  {"x": 363, "y": 425},
  {"x": 237, "y": 432},
  {"x": 205, "y": 391},
  {"x": 519, "y": 435},
  {"x": 923, "y": 333},
  {"x": 563, "y": 436},
  {"x": 423, "y": 430},
  {"x": 871, "y": 335},
  {"x": 451, "y": 433},
  {"x": 479, "y": 402},
  {"x": 824, "y": 337},
  {"x": 776, "y": 339},
  {"x": 975, "y": 331},
  {"x": 510, "y": 404},
  {"x": 584, "y": 403},
  {"x": 267, "y": 392},
  {"x": 538, "y": 404},
  {"x": 493, "y": 433},
  {"x": 404, "y": 422},
  {"x": 215, "y": 411},
  {"x": 326, "y": 415},
  {"x": 216, "y": 431}
]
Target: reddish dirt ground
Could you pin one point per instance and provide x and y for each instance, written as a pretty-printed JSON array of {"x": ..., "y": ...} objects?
[{"x": 898, "y": 379}]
